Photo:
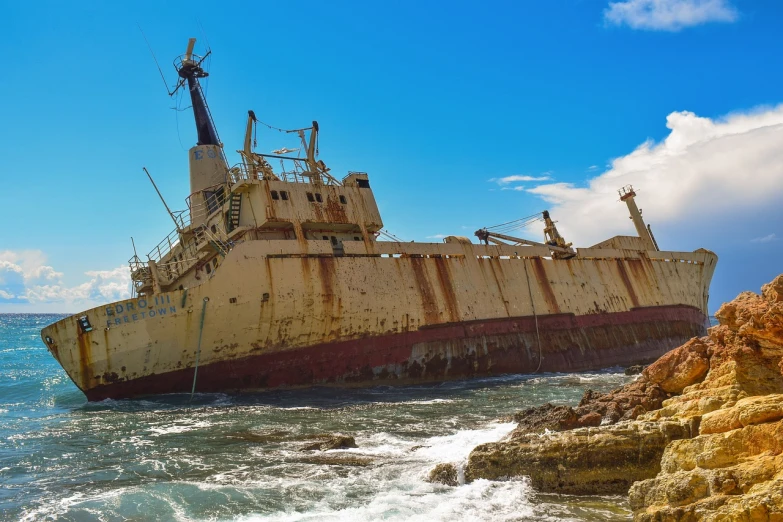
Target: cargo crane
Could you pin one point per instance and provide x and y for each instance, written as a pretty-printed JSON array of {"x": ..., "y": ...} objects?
[{"x": 554, "y": 241}]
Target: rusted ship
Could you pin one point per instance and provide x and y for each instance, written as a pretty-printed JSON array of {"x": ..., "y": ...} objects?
[{"x": 276, "y": 278}]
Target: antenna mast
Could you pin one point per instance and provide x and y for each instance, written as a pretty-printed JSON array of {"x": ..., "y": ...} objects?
[{"x": 176, "y": 225}]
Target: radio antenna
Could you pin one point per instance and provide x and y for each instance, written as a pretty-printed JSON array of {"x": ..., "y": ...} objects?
[
  {"x": 162, "y": 77},
  {"x": 176, "y": 225}
]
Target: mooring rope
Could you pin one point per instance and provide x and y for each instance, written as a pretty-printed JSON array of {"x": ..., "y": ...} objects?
[
  {"x": 198, "y": 351},
  {"x": 535, "y": 317}
]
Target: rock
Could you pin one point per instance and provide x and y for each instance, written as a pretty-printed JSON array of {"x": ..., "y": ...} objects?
[
  {"x": 698, "y": 436},
  {"x": 329, "y": 442},
  {"x": 636, "y": 369},
  {"x": 747, "y": 411},
  {"x": 444, "y": 474},
  {"x": 594, "y": 409},
  {"x": 681, "y": 367},
  {"x": 724, "y": 476},
  {"x": 546, "y": 417},
  {"x": 594, "y": 461},
  {"x": 329, "y": 460}
]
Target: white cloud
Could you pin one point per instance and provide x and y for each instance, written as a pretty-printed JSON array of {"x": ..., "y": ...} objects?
[
  {"x": 437, "y": 236},
  {"x": 706, "y": 173},
  {"x": 517, "y": 177},
  {"x": 26, "y": 279},
  {"x": 668, "y": 15},
  {"x": 765, "y": 239},
  {"x": 517, "y": 188}
]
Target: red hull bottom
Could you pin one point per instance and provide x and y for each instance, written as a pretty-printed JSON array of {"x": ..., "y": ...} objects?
[{"x": 568, "y": 343}]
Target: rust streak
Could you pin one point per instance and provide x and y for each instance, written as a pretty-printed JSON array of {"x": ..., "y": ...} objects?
[
  {"x": 543, "y": 284},
  {"x": 447, "y": 286},
  {"x": 428, "y": 302},
  {"x": 627, "y": 282},
  {"x": 85, "y": 358}
]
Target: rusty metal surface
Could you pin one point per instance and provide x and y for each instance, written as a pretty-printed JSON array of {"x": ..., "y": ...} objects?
[
  {"x": 265, "y": 300},
  {"x": 451, "y": 351}
]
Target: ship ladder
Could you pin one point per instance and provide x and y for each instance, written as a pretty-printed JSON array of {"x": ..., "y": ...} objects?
[
  {"x": 218, "y": 244},
  {"x": 234, "y": 206}
]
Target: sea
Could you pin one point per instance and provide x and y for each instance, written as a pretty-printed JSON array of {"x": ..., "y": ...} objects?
[{"x": 241, "y": 458}]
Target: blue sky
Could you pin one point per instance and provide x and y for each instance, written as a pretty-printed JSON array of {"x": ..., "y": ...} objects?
[{"x": 463, "y": 115}]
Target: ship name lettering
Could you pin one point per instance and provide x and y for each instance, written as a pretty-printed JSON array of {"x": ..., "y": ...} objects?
[
  {"x": 132, "y": 318},
  {"x": 198, "y": 154}
]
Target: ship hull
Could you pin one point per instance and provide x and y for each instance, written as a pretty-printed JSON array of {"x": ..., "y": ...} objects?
[
  {"x": 453, "y": 351},
  {"x": 386, "y": 314}
]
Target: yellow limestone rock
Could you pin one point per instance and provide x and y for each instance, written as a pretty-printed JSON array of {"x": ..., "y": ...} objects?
[{"x": 711, "y": 452}]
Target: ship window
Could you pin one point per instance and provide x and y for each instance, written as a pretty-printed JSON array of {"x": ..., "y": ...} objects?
[
  {"x": 310, "y": 196},
  {"x": 326, "y": 238},
  {"x": 356, "y": 238},
  {"x": 214, "y": 229},
  {"x": 363, "y": 183},
  {"x": 318, "y": 197},
  {"x": 84, "y": 324},
  {"x": 343, "y": 200},
  {"x": 214, "y": 263},
  {"x": 208, "y": 268},
  {"x": 334, "y": 240},
  {"x": 232, "y": 300},
  {"x": 284, "y": 195},
  {"x": 275, "y": 195}
]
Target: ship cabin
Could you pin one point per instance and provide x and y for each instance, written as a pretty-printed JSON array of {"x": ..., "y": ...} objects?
[{"x": 302, "y": 209}]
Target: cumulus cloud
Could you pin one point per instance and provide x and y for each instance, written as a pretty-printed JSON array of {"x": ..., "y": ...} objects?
[
  {"x": 668, "y": 15},
  {"x": 25, "y": 278},
  {"x": 704, "y": 174}
]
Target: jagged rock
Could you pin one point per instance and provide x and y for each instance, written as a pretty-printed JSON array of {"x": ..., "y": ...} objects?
[
  {"x": 594, "y": 409},
  {"x": 444, "y": 474},
  {"x": 681, "y": 367}
]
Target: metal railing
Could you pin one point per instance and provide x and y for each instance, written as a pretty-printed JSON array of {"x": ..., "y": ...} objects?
[
  {"x": 214, "y": 198},
  {"x": 292, "y": 170}
]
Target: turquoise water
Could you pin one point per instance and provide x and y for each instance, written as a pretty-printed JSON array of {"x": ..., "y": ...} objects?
[{"x": 241, "y": 458}]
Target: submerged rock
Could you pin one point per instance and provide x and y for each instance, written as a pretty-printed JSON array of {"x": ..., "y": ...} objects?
[
  {"x": 332, "y": 460},
  {"x": 444, "y": 474},
  {"x": 698, "y": 436},
  {"x": 636, "y": 369},
  {"x": 328, "y": 442}
]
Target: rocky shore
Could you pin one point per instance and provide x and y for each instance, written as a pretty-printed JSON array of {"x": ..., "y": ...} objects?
[{"x": 698, "y": 436}]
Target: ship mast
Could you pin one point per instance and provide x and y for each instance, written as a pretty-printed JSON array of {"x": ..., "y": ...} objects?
[
  {"x": 208, "y": 166},
  {"x": 190, "y": 70},
  {"x": 628, "y": 194}
]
